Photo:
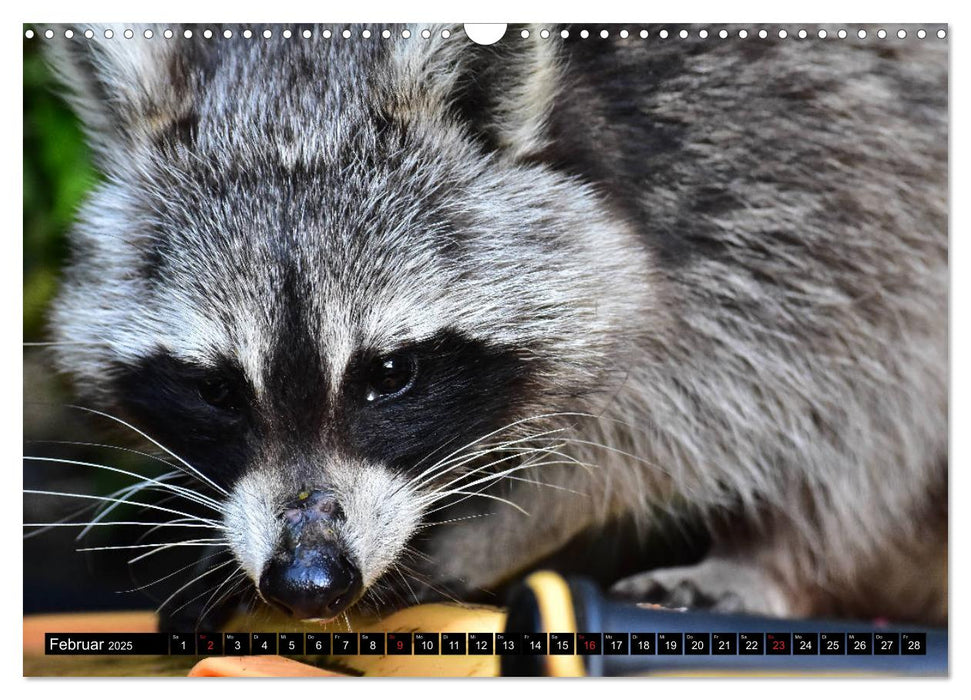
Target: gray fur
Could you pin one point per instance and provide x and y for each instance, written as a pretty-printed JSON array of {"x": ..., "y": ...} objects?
[{"x": 759, "y": 329}]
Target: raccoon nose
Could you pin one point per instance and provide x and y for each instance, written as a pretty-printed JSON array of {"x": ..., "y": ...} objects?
[{"x": 317, "y": 584}]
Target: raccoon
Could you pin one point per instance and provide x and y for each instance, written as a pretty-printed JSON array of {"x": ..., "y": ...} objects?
[{"x": 416, "y": 304}]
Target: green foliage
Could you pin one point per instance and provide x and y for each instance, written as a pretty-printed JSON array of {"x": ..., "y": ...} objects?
[{"x": 57, "y": 174}]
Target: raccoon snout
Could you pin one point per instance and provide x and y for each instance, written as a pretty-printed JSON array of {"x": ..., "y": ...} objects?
[{"x": 310, "y": 576}]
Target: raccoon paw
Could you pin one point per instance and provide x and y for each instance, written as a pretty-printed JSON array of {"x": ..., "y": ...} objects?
[{"x": 720, "y": 585}]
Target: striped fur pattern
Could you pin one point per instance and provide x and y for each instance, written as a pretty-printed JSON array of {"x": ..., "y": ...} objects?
[{"x": 702, "y": 271}]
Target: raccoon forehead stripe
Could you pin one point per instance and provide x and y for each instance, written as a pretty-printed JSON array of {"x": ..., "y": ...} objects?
[{"x": 295, "y": 379}]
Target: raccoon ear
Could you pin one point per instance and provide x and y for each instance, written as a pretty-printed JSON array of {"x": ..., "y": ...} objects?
[
  {"x": 125, "y": 90},
  {"x": 501, "y": 94},
  {"x": 505, "y": 92}
]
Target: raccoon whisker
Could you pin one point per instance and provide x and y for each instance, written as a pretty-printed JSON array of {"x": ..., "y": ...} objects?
[
  {"x": 609, "y": 419},
  {"x": 508, "y": 426},
  {"x": 411, "y": 551},
  {"x": 155, "y": 442},
  {"x": 181, "y": 588},
  {"x": 463, "y": 457},
  {"x": 518, "y": 455},
  {"x": 172, "y": 545},
  {"x": 189, "y": 494},
  {"x": 179, "y": 522},
  {"x": 484, "y": 467},
  {"x": 116, "y": 500},
  {"x": 63, "y": 343},
  {"x": 565, "y": 440},
  {"x": 375, "y": 592},
  {"x": 424, "y": 525},
  {"x": 250, "y": 605},
  {"x": 486, "y": 481},
  {"x": 102, "y": 510},
  {"x": 425, "y": 582},
  {"x": 174, "y": 573},
  {"x": 67, "y": 519},
  {"x": 470, "y": 494},
  {"x": 114, "y": 522},
  {"x": 78, "y": 443},
  {"x": 212, "y": 601},
  {"x": 435, "y": 451},
  {"x": 617, "y": 450},
  {"x": 537, "y": 482},
  {"x": 157, "y": 545},
  {"x": 404, "y": 579},
  {"x": 444, "y": 466},
  {"x": 236, "y": 586},
  {"x": 125, "y": 494}
]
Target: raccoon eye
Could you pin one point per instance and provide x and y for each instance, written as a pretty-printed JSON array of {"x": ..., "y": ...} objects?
[
  {"x": 217, "y": 393},
  {"x": 390, "y": 375}
]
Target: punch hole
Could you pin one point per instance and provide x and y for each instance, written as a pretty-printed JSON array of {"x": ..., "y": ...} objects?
[
  {"x": 68, "y": 33},
  {"x": 187, "y": 33},
  {"x": 545, "y": 33},
  {"x": 49, "y": 34},
  {"x": 247, "y": 34},
  {"x": 524, "y": 34},
  {"x": 802, "y": 34},
  {"x": 228, "y": 34},
  {"x": 643, "y": 34},
  {"x": 861, "y": 33},
  {"x": 425, "y": 34},
  {"x": 446, "y": 34},
  {"x": 109, "y": 34},
  {"x": 485, "y": 34},
  {"x": 941, "y": 34},
  {"x": 148, "y": 33},
  {"x": 88, "y": 34},
  {"x": 882, "y": 33},
  {"x": 168, "y": 33},
  {"x": 683, "y": 34},
  {"x": 663, "y": 33},
  {"x": 207, "y": 34},
  {"x": 129, "y": 34},
  {"x": 742, "y": 34},
  {"x": 307, "y": 34},
  {"x": 326, "y": 34},
  {"x": 841, "y": 33},
  {"x": 29, "y": 34},
  {"x": 763, "y": 34},
  {"x": 822, "y": 34},
  {"x": 584, "y": 34},
  {"x": 783, "y": 33},
  {"x": 703, "y": 33},
  {"x": 565, "y": 34},
  {"x": 366, "y": 34},
  {"x": 921, "y": 33},
  {"x": 267, "y": 34},
  {"x": 386, "y": 34},
  {"x": 406, "y": 34},
  {"x": 624, "y": 34},
  {"x": 723, "y": 33},
  {"x": 346, "y": 33},
  {"x": 287, "y": 34},
  {"x": 901, "y": 34}
]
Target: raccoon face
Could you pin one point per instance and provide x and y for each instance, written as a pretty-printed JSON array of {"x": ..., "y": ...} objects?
[{"x": 310, "y": 274}]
